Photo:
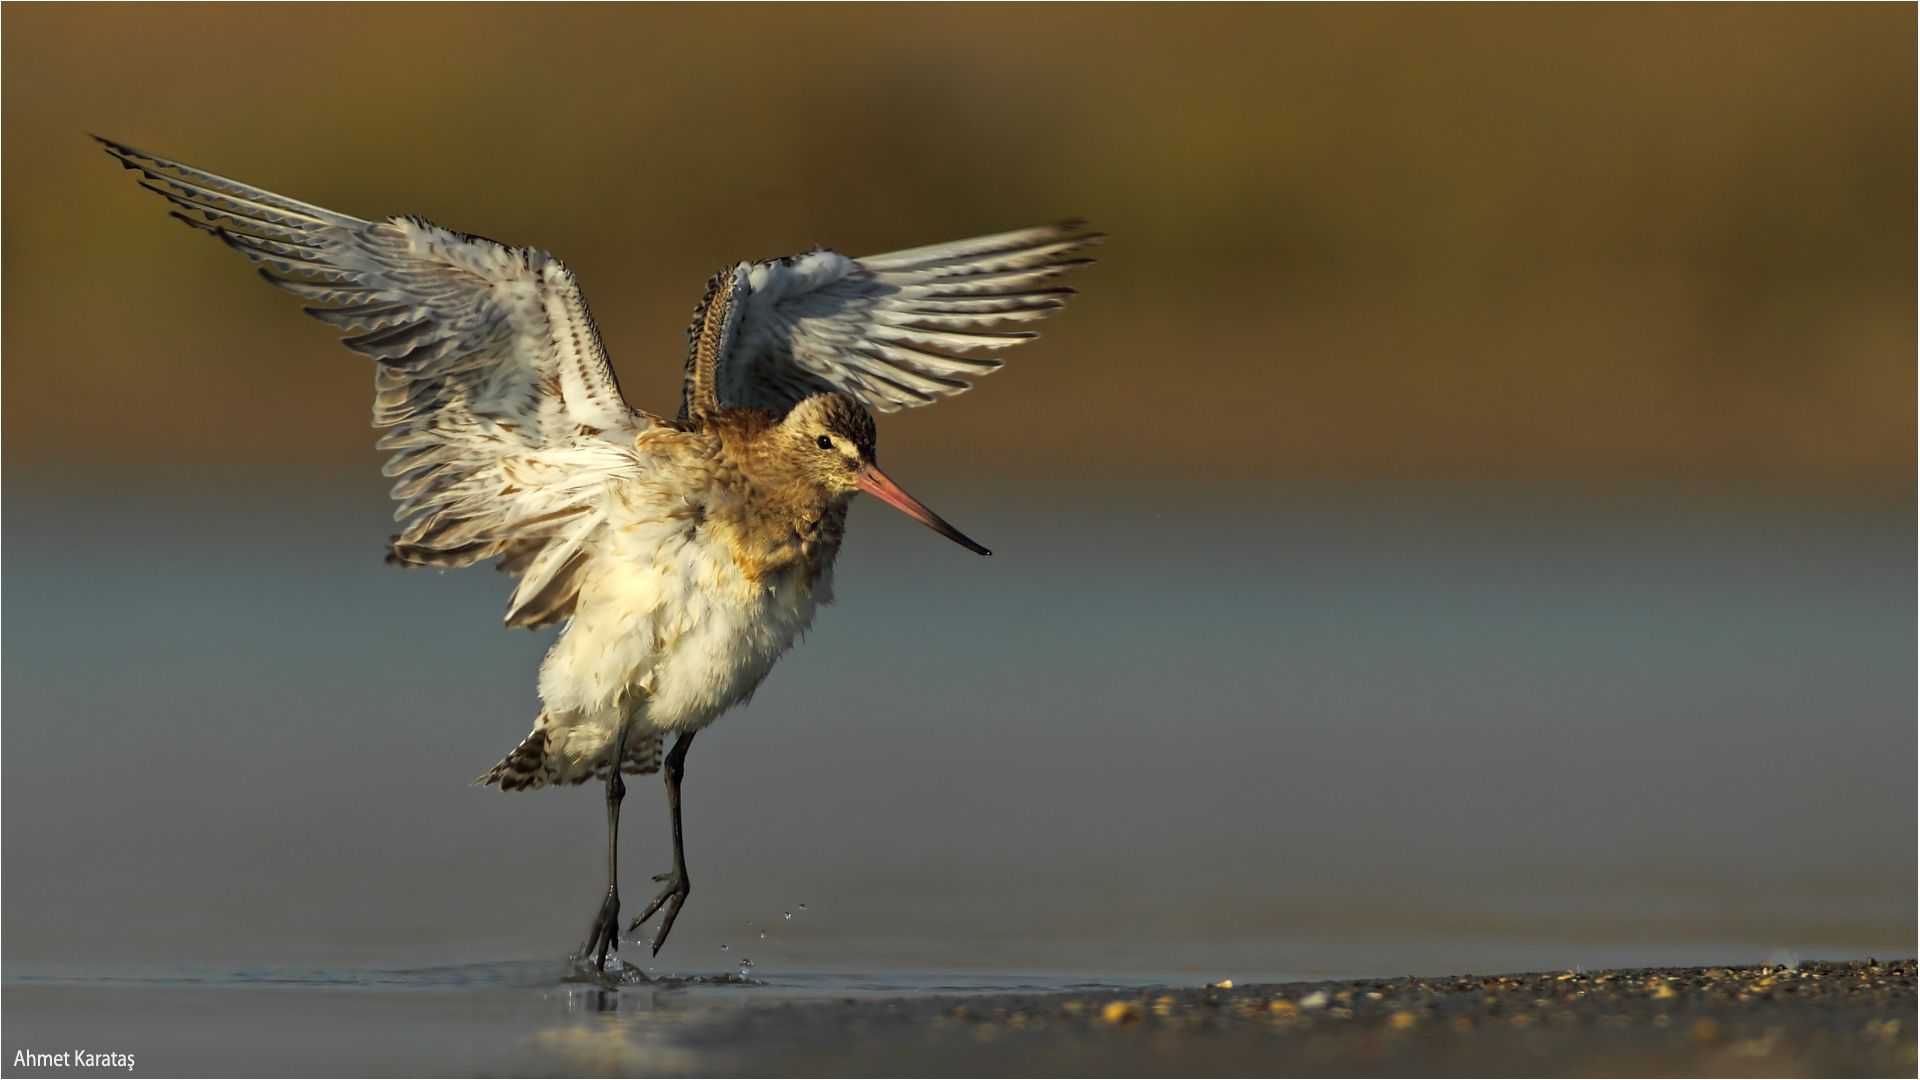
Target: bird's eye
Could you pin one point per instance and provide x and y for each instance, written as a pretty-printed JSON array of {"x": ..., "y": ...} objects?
[{"x": 824, "y": 442}]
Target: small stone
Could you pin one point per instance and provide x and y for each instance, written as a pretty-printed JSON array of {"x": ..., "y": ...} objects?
[
  {"x": 1121, "y": 1012},
  {"x": 1401, "y": 1021}
]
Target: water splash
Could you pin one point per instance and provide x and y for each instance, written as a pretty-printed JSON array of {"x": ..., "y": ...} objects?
[{"x": 582, "y": 968}]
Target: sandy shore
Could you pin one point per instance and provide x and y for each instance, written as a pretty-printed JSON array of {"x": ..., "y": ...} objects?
[{"x": 1820, "y": 1019}]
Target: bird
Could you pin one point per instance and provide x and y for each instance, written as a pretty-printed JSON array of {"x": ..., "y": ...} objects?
[{"x": 681, "y": 556}]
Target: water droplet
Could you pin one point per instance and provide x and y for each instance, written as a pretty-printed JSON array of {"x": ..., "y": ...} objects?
[
  {"x": 803, "y": 907},
  {"x": 786, "y": 914},
  {"x": 763, "y": 933},
  {"x": 723, "y": 948}
]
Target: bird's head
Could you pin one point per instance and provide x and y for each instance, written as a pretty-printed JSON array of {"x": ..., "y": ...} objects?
[{"x": 831, "y": 437}]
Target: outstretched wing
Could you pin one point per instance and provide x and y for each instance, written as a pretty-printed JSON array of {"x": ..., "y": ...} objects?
[
  {"x": 887, "y": 329},
  {"x": 506, "y": 419}
]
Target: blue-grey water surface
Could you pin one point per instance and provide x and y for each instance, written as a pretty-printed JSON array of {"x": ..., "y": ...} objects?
[{"x": 1158, "y": 738}]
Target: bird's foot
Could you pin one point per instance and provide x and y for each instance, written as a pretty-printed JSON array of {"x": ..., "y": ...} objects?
[
  {"x": 604, "y": 937},
  {"x": 668, "y": 903}
]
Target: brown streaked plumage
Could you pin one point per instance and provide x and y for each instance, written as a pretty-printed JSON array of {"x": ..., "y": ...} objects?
[{"x": 681, "y": 557}]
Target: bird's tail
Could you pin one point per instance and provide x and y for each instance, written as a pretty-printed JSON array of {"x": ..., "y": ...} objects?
[{"x": 536, "y": 762}]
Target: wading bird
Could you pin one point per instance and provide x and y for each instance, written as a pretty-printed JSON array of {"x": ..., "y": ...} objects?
[{"x": 682, "y": 555}]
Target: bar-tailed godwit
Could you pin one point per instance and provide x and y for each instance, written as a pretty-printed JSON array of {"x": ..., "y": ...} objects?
[{"x": 683, "y": 555}]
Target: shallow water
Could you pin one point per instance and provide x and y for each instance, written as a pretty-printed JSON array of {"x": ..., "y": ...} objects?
[
  {"x": 516, "y": 1018},
  {"x": 1146, "y": 741}
]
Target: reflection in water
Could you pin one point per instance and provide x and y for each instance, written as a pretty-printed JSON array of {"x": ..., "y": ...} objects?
[{"x": 615, "y": 1046}]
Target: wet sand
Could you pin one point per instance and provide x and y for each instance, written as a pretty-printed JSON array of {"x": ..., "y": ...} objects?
[
  {"x": 518, "y": 1019},
  {"x": 1821, "y": 1019}
]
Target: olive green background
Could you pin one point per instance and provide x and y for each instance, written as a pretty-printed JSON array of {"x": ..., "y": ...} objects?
[{"x": 1554, "y": 246}]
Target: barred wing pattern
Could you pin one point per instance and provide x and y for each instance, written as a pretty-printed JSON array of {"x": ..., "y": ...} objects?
[
  {"x": 507, "y": 423},
  {"x": 886, "y": 329}
]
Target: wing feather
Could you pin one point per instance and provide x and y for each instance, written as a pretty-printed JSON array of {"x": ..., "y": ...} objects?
[
  {"x": 887, "y": 329},
  {"x": 505, "y": 419},
  {"x": 979, "y": 245}
]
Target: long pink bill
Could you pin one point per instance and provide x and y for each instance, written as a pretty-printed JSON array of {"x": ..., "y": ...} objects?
[{"x": 875, "y": 483}]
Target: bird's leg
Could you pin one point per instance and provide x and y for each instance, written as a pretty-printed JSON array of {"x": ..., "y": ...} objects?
[
  {"x": 675, "y": 894},
  {"x": 605, "y": 934}
]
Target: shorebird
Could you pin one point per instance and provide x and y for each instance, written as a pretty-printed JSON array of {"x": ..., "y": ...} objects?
[{"x": 681, "y": 556}]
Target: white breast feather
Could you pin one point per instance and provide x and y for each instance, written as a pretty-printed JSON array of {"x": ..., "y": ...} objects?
[{"x": 669, "y": 633}]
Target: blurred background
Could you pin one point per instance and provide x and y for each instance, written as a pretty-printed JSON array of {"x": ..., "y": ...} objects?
[{"x": 1466, "y": 522}]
